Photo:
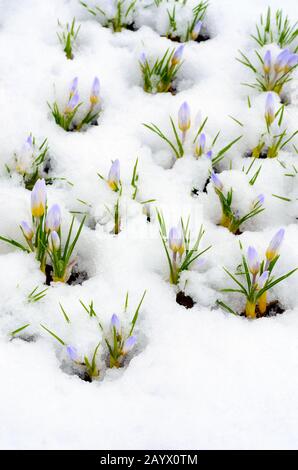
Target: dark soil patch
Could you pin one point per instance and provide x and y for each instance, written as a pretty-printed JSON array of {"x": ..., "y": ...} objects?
[
  {"x": 76, "y": 277},
  {"x": 273, "y": 308},
  {"x": 184, "y": 300}
]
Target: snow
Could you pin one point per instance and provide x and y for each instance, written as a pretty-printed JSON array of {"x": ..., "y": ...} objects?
[{"x": 198, "y": 378}]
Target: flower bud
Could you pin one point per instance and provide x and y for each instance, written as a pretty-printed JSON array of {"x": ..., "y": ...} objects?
[{"x": 38, "y": 198}]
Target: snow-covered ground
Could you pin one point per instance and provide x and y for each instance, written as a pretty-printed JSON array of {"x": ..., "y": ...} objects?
[{"x": 199, "y": 378}]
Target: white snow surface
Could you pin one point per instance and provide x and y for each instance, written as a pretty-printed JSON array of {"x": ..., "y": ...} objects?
[{"x": 199, "y": 378}]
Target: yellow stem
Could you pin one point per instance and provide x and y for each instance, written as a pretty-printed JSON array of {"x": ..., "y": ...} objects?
[
  {"x": 250, "y": 310},
  {"x": 263, "y": 303}
]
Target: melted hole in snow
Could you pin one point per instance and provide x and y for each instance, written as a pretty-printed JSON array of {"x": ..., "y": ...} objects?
[
  {"x": 184, "y": 300},
  {"x": 76, "y": 277},
  {"x": 273, "y": 308}
]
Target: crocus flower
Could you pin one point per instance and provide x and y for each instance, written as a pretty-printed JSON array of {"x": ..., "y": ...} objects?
[
  {"x": 176, "y": 59},
  {"x": 260, "y": 199},
  {"x": 72, "y": 103},
  {"x": 74, "y": 86},
  {"x": 196, "y": 30},
  {"x": 184, "y": 117},
  {"x": 54, "y": 241},
  {"x": 216, "y": 181},
  {"x": 292, "y": 62},
  {"x": 200, "y": 147},
  {"x": 129, "y": 344},
  {"x": 143, "y": 58},
  {"x": 28, "y": 145},
  {"x": 267, "y": 62},
  {"x": 94, "y": 96},
  {"x": 269, "y": 109},
  {"x": 114, "y": 175},
  {"x": 27, "y": 230},
  {"x": 176, "y": 242},
  {"x": 274, "y": 245},
  {"x": 262, "y": 279},
  {"x": 38, "y": 198},
  {"x": 209, "y": 154},
  {"x": 53, "y": 219},
  {"x": 72, "y": 352},
  {"x": 115, "y": 322},
  {"x": 281, "y": 60},
  {"x": 253, "y": 260}
]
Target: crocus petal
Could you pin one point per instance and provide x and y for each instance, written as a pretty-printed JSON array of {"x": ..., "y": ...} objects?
[
  {"x": 274, "y": 245},
  {"x": 196, "y": 30},
  {"x": 38, "y": 198},
  {"x": 115, "y": 322},
  {"x": 54, "y": 241},
  {"x": 184, "y": 117},
  {"x": 262, "y": 279},
  {"x": 216, "y": 181},
  {"x": 253, "y": 260},
  {"x": 53, "y": 219},
  {"x": 72, "y": 352},
  {"x": 129, "y": 344},
  {"x": 27, "y": 230},
  {"x": 177, "y": 56},
  {"x": 114, "y": 175},
  {"x": 176, "y": 242}
]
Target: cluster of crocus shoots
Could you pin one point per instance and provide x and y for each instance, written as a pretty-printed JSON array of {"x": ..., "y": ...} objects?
[
  {"x": 120, "y": 340},
  {"x": 275, "y": 72},
  {"x": 43, "y": 236},
  {"x": 193, "y": 27},
  {"x": 275, "y": 138},
  {"x": 177, "y": 244},
  {"x": 30, "y": 161},
  {"x": 68, "y": 37},
  {"x": 257, "y": 277},
  {"x": 160, "y": 76},
  {"x": 119, "y": 15},
  {"x": 114, "y": 182},
  {"x": 116, "y": 342},
  {"x": 68, "y": 117},
  {"x": 183, "y": 133},
  {"x": 276, "y": 28},
  {"x": 230, "y": 217}
]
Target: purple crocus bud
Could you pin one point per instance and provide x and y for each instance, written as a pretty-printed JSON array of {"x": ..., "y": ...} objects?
[
  {"x": 281, "y": 60},
  {"x": 54, "y": 241},
  {"x": 28, "y": 145},
  {"x": 73, "y": 86},
  {"x": 253, "y": 260},
  {"x": 292, "y": 61},
  {"x": 38, "y": 198},
  {"x": 53, "y": 218},
  {"x": 269, "y": 109},
  {"x": 260, "y": 199},
  {"x": 72, "y": 103},
  {"x": 115, "y": 322},
  {"x": 267, "y": 62},
  {"x": 184, "y": 117},
  {"x": 176, "y": 241},
  {"x": 216, "y": 181},
  {"x": 94, "y": 96},
  {"x": 262, "y": 279},
  {"x": 196, "y": 30},
  {"x": 274, "y": 245},
  {"x": 129, "y": 344},
  {"x": 201, "y": 144},
  {"x": 143, "y": 59},
  {"x": 176, "y": 59},
  {"x": 114, "y": 175},
  {"x": 72, "y": 352},
  {"x": 27, "y": 230},
  {"x": 209, "y": 154}
]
